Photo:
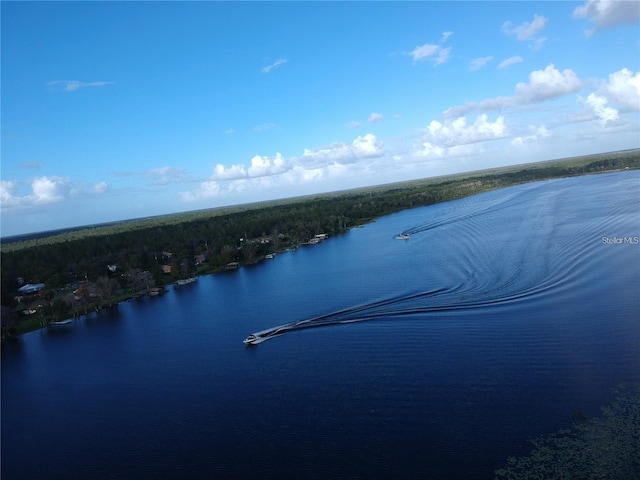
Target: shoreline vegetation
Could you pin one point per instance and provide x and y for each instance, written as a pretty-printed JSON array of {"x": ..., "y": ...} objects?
[
  {"x": 598, "y": 447},
  {"x": 83, "y": 270}
]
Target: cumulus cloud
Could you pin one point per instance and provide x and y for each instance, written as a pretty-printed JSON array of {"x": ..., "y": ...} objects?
[
  {"x": 263, "y": 166},
  {"x": 453, "y": 133},
  {"x": 608, "y": 13},
  {"x": 598, "y": 105},
  {"x": 365, "y": 146},
  {"x": 623, "y": 88},
  {"x": 547, "y": 84},
  {"x": 220, "y": 172},
  {"x": 266, "y": 172},
  {"x": 478, "y": 63},
  {"x": 73, "y": 85},
  {"x": 543, "y": 85},
  {"x": 617, "y": 95},
  {"x": 510, "y": 61},
  {"x": 277, "y": 63},
  {"x": 375, "y": 117},
  {"x": 353, "y": 124},
  {"x": 44, "y": 190}
]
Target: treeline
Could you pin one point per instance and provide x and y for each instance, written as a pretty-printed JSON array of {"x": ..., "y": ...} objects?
[{"x": 207, "y": 241}]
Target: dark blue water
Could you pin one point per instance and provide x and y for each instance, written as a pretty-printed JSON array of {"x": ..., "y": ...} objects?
[{"x": 503, "y": 315}]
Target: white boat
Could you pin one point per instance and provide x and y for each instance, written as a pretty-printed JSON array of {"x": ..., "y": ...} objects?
[
  {"x": 186, "y": 281},
  {"x": 253, "y": 339},
  {"x": 403, "y": 236}
]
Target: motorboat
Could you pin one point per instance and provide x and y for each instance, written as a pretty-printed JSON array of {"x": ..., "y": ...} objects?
[
  {"x": 403, "y": 236},
  {"x": 253, "y": 339}
]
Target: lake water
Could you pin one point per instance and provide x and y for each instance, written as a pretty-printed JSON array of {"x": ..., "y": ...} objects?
[{"x": 502, "y": 316}]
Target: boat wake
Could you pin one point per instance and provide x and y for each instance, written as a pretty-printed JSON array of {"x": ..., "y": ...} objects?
[{"x": 471, "y": 261}]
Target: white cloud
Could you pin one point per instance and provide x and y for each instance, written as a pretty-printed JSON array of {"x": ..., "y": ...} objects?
[
  {"x": 510, "y": 61},
  {"x": 277, "y": 63},
  {"x": 7, "y": 194},
  {"x": 49, "y": 189},
  {"x": 425, "y": 51},
  {"x": 618, "y": 94},
  {"x": 229, "y": 131},
  {"x": 526, "y": 30},
  {"x": 264, "y": 166},
  {"x": 599, "y": 107},
  {"x": 44, "y": 190},
  {"x": 365, "y": 146},
  {"x": 353, "y": 124},
  {"x": 478, "y": 63},
  {"x": 100, "y": 187},
  {"x": 623, "y": 88},
  {"x": 375, "y": 117},
  {"x": 432, "y": 51},
  {"x": 443, "y": 56},
  {"x": 73, "y": 85},
  {"x": 543, "y": 85},
  {"x": 439, "y": 136},
  {"x": 535, "y": 134},
  {"x": 608, "y": 13},
  {"x": 206, "y": 190},
  {"x": 547, "y": 84},
  {"x": 266, "y": 172},
  {"x": 220, "y": 172}
]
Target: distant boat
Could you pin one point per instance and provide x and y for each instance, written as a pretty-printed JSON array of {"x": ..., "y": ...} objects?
[
  {"x": 186, "y": 281},
  {"x": 403, "y": 236},
  {"x": 61, "y": 323}
]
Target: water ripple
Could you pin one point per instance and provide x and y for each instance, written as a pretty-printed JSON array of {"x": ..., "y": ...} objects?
[{"x": 500, "y": 248}]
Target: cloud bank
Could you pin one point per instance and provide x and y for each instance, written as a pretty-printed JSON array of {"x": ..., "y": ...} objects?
[
  {"x": 543, "y": 85},
  {"x": 278, "y": 171}
]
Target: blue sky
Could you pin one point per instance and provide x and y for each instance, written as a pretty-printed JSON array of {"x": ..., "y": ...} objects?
[{"x": 118, "y": 110}]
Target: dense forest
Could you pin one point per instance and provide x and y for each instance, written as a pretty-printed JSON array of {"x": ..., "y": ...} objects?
[{"x": 92, "y": 268}]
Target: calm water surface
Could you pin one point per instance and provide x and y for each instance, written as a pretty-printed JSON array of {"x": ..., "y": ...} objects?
[{"x": 503, "y": 315}]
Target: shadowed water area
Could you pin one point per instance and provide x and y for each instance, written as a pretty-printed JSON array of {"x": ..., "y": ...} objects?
[{"x": 438, "y": 356}]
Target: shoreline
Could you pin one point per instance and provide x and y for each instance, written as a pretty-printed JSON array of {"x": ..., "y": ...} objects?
[{"x": 480, "y": 185}]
